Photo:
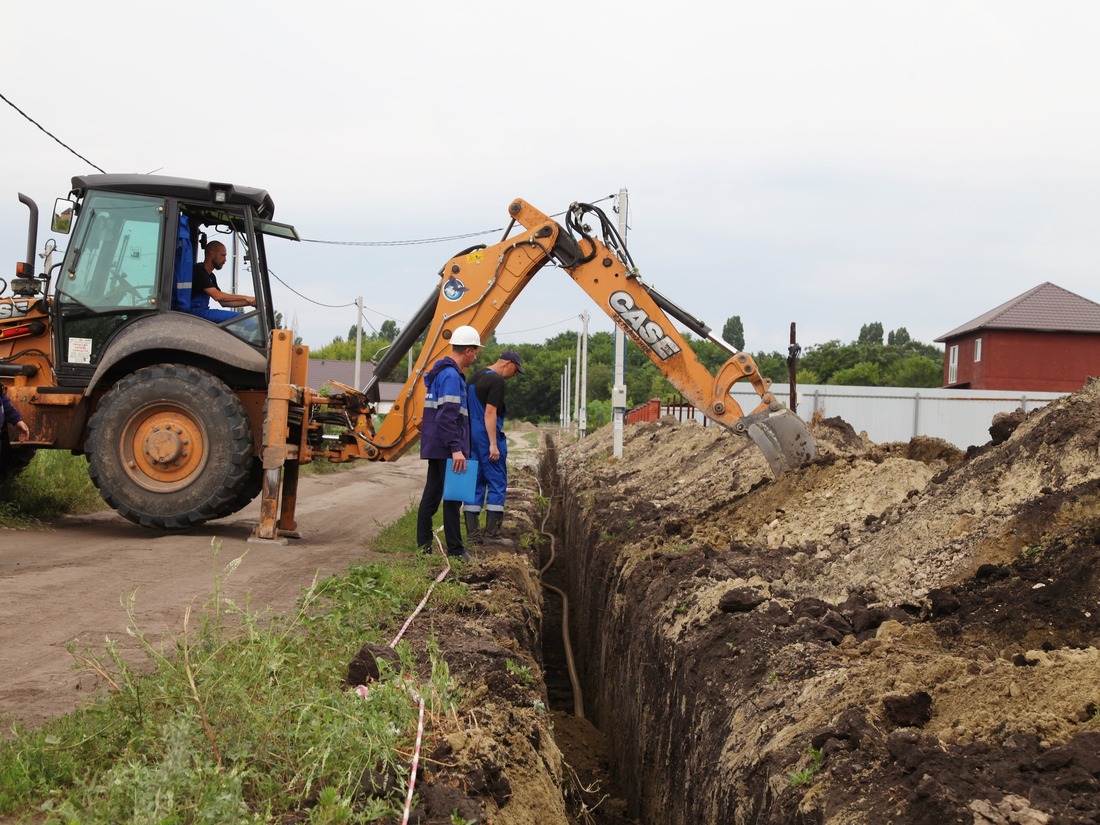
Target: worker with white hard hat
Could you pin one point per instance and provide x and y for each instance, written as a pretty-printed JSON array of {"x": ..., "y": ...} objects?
[{"x": 445, "y": 434}]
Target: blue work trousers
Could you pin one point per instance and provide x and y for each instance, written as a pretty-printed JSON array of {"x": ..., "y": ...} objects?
[{"x": 492, "y": 476}]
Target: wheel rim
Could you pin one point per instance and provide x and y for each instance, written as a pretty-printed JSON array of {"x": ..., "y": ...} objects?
[{"x": 163, "y": 448}]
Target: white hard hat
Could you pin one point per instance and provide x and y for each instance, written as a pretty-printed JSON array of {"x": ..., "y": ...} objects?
[{"x": 465, "y": 337}]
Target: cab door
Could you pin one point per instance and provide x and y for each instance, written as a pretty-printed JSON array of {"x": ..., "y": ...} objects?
[{"x": 109, "y": 278}]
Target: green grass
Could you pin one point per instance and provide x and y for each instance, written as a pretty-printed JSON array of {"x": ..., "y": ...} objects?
[
  {"x": 322, "y": 466},
  {"x": 54, "y": 484},
  {"x": 241, "y": 717}
]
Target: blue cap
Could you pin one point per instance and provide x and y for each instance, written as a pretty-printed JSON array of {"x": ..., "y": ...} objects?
[{"x": 513, "y": 356}]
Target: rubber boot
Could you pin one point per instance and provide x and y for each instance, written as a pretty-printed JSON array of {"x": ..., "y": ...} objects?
[
  {"x": 493, "y": 521},
  {"x": 474, "y": 534}
]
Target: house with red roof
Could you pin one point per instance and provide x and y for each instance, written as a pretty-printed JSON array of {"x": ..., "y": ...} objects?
[{"x": 1047, "y": 339}]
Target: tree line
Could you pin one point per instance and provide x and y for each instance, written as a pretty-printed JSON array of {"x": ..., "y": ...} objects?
[{"x": 875, "y": 359}]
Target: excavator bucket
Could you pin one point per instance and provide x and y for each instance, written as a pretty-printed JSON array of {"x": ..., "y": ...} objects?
[{"x": 784, "y": 440}]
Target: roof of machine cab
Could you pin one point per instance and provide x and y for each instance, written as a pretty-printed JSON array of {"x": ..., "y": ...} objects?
[{"x": 185, "y": 188}]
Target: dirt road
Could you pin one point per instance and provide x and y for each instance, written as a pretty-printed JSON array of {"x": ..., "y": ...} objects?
[{"x": 68, "y": 583}]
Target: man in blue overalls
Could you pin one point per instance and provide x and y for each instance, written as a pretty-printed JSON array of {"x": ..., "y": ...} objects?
[{"x": 485, "y": 393}]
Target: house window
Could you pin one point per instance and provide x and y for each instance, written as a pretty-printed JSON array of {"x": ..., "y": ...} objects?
[
  {"x": 977, "y": 350},
  {"x": 953, "y": 364}
]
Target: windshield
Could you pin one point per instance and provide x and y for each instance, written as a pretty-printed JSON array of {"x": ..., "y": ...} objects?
[{"x": 112, "y": 262}]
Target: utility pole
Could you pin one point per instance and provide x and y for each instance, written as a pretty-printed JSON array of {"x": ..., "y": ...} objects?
[
  {"x": 561, "y": 399},
  {"x": 583, "y": 369},
  {"x": 567, "y": 408},
  {"x": 358, "y": 340},
  {"x": 236, "y": 268},
  {"x": 576, "y": 392},
  {"x": 793, "y": 351},
  {"x": 618, "y": 389}
]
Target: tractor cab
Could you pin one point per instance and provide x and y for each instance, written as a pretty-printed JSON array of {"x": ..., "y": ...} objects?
[{"x": 127, "y": 273}]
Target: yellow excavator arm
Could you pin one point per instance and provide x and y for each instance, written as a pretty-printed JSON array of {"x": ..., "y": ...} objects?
[{"x": 476, "y": 288}]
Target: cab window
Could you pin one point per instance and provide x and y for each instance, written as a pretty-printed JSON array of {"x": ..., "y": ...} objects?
[{"x": 113, "y": 259}]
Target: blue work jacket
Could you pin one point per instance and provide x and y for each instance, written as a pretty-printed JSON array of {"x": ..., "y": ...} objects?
[{"x": 446, "y": 427}]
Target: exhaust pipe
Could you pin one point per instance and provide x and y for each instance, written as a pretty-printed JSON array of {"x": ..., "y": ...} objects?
[{"x": 32, "y": 237}]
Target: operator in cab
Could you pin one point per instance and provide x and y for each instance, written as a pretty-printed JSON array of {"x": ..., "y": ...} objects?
[{"x": 204, "y": 286}]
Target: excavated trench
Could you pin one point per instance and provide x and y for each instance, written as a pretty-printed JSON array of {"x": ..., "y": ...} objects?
[
  {"x": 633, "y": 723},
  {"x": 656, "y": 711},
  {"x": 895, "y": 633}
]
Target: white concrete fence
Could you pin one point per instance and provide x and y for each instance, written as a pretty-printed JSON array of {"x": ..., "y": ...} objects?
[{"x": 886, "y": 414}]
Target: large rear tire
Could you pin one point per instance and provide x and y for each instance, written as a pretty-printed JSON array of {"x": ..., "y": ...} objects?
[{"x": 169, "y": 447}]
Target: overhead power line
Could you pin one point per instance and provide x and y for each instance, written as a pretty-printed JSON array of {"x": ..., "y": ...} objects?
[
  {"x": 544, "y": 326},
  {"x": 410, "y": 242},
  {"x": 48, "y": 132},
  {"x": 413, "y": 242},
  {"x": 271, "y": 272},
  {"x": 440, "y": 239}
]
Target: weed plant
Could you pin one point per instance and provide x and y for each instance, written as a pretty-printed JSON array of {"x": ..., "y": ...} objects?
[
  {"x": 807, "y": 774},
  {"x": 520, "y": 671},
  {"x": 54, "y": 484},
  {"x": 240, "y": 717}
]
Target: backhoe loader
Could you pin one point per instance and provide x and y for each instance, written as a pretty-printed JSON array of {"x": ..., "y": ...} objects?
[
  {"x": 184, "y": 419},
  {"x": 103, "y": 356}
]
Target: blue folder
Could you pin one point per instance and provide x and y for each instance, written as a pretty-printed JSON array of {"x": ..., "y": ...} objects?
[{"x": 460, "y": 486}]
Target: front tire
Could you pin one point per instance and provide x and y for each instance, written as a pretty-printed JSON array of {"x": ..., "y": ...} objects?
[{"x": 170, "y": 447}]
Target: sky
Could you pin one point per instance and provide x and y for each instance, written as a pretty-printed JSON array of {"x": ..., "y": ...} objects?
[{"x": 827, "y": 164}]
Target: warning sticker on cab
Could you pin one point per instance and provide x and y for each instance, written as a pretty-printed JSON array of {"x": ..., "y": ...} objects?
[{"x": 80, "y": 351}]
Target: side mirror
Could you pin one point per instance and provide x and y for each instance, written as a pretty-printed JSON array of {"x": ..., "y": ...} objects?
[{"x": 62, "y": 216}]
